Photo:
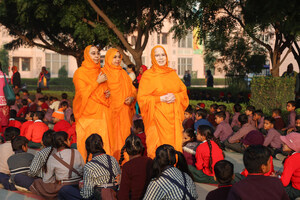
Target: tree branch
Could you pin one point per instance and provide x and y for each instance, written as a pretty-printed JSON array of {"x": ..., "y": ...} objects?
[{"x": 92, "y": 24}]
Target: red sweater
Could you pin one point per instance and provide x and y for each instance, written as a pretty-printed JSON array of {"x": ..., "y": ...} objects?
[
  {"x": 245, "y": 172},
  {"x": 24, "y": 127},
  {"x": 72, "y": 133},
  {"x": 36, "y": 131},
  {"x": 142, "y": 136},
  {"x": 22, "y": 112},
  {"x": 62, "y": 125},
  {"x": 291, "y": 171},
  {"x": 14, "y": 123},
  {"x": 202, "y": 157}
]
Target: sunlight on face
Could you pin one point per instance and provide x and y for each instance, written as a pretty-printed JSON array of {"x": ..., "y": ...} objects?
[
  {"x": 160, "y": 56},
  {"x": 116, "y": 59},
  {"x": 95, "y": 54}
]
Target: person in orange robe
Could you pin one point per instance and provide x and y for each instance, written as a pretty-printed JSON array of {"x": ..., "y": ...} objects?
[
  {"x": 123, "y": 95},
  {"x": 162, "y": 98},
  {"x": 91, "y": 102}
]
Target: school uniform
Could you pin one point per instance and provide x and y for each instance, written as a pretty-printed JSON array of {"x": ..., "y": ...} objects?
[
  {"x": 37, "y": 96},
  {"x": 35, "y": 133},
  {"x": 235, "y": 120},
  {"x": 292, "y": 120},
  {"x": 22, "y": 112},
  {"x": 227, "y": 117},
  {"x": 32, "y": 107},
  {"x": 6, "y": 151},
  {"x": 258, "y": 187},
  {"x": 202, "y": 122},
  {"x": 290, "y": 177},
  {"x": 279, "y": 123},
  {"x": 72, "y": 133},
  {"x": 62, "y": 125},
  {"x": 24, "y": 127},
  {"x": 201, "y": 172},
  {"x": 251, "y": 121},
  {"x": 245, "y": 172},
  {"x": 211, "y": 119},
  {"x": 14, "y": 123},
  {"x": 223, "y": 131},
  {"x": 44, "y": 106},
  {"x": 136, "y": 175},
  {"x": 220, "y": 193},
  {"x": 260, "y": 123},
  {"x": 188, "y": 123},
  {"x": 142, "y": 136},
  {"x": 172, "y": 184},
  {"x": 273, "y": 139},
  {"x": 189, "y": 152}
]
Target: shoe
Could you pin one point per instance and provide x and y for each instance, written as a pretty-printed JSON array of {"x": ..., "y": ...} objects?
[{"x": 280, "y": 156}]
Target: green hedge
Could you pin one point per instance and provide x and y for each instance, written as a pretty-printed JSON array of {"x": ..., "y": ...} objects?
[
  {"x": 268, "y": 93},
  {"x": 201, "y": 81},
  {"x": 229, "y": 106},
  {"x": 56, "y": 84}
]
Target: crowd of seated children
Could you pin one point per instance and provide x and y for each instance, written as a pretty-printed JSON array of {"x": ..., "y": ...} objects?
[
  {"x": 188, "y": 121},
  {"x": 138, "y": 130},
  {"x": 257, "y": 186},
  {"x": 201, "y": 119},
  {"x": 207, "y": 154},
  {"x": 258, "y": 117},
  {"x": 223, "y": 130},
  {"x": 136, "y": 173},
  {"x": 250, "y": 112},
  {"x": 223, "y": 108},
  {"x": 169, "y": 182},
  {"x": 290, "y": 107},
  {"x": 189, "y": 146},
  {"x": 235, "y": 125},
  {"x": 224, "y": 176}
]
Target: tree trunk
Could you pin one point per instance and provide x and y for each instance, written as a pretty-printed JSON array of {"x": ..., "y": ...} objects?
[
  {"x": 275, "y": 60},
  {"x": 296, "y": 53},
  {"x": 79, "y": 59}
]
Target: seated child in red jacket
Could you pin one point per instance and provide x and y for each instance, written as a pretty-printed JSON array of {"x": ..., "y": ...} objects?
[
  {"x": 189, "y": 146},
  {"x": 72, "y": 133},
  {"x": 22, "y": 112},
  {"x": 12, "y": 120}
]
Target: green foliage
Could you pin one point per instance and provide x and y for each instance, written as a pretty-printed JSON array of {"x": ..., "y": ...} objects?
[
  {"x": 55, "y": 84},
  {"x": 4, "y": 59},
  {"x": 268, "y": 93},
  {"x": 62, "y": 72},
  {"x": 229, "y": 106}
]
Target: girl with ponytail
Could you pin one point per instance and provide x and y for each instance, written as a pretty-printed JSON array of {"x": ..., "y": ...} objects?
[
  {"x": 171, "y": 176},
  {"x": 207, "y": 154},
  {"x": 136, "y": 173}
]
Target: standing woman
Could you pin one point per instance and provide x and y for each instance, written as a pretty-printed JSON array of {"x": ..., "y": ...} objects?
[
  {"x": 162, "y": 98},
  {"x": 91, "y": 102},
  {"x": 123, "y": 95},
  {"x": 44, "y": 79},
  {"x": 4, "y": 108}
]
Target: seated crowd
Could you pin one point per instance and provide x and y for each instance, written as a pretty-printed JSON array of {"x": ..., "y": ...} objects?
[{"x": 58, "y": 171}]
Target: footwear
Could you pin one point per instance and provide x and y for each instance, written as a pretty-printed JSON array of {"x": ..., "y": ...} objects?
[{"x": 280, "y": 156}]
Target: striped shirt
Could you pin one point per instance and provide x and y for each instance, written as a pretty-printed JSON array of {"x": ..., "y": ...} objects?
[
  {"x": 19, "y": 163},
  {"x": 94, "y": 175},
  {"x": 39, "y": 161},
  {"x": 162, "y": 188}
]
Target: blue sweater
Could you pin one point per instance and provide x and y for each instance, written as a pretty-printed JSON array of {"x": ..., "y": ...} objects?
[{"x": 202, "y": 122}]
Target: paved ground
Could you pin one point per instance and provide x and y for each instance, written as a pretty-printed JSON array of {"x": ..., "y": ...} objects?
[{"x": 202, "y": 189}]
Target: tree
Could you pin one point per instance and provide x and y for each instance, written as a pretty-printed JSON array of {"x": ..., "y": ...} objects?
[
  {"x": 256, "y": 17},
  {"x": 4, "y": 59}
]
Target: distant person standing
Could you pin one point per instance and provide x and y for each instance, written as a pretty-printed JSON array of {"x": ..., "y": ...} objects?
[
  {"x": 44, "y": 78},
  {"x": 187, "y": 78},
  {"x": 16, "y": 79},
  {"x": 209, "y": 79}
]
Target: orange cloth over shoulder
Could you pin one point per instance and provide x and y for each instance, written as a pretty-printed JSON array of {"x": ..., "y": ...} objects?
[
  {"x": 163, "y": 121},
  {"x": 90, "y": 106},
  {"x": 121, "y": 87}
]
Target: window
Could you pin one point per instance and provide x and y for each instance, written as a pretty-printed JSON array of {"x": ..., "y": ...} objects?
[
  {"x": 23, "y": 64},
  {"x": 162, "y": 38},
  {"x": 184, "y": 64},
  {"x": 158, "y": 38},
  {"x": 55, "y": 61},
  {"x": 187, "y": 41}
]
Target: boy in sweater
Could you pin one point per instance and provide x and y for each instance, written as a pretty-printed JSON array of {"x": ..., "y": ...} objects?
[
  {"x": 249, "y": 112},
  {"x": 188, "y": 121},
  {"x": 201, "y": 119},
  {"x": 272, "y": 139},
  {"x": 258, "y": 117},
  {"x": 25, "y": 125},
  {"x": 12, "y": 120},
  {"x": 279, "y": 123},
  {"x": 290, "y": 107},
  {"x": 235, "y": 118},
  {"x": 223, "y": 130}
]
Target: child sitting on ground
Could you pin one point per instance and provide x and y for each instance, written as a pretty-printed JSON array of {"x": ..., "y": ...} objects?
[
  {"x": 223, "y": 130},
  {"x": 211, "y": 117},
  {"x": 72, "y": 133},
  {"x": 256, "y": 185},
  {"x": 189, "y": 146},
  {"x": 223, "y": 108},
  {"x": 54, "y": 103},
  {"x": 291, "y": 170},
  {"x": 272, "y": 139},
  {"x": 59, "y": 120},
  {"x": 7, "y": 151},
  {"x": 138, "y": 130},
  {"x": 290, "y": 107},
  {"x": 188, "y": 121},
  {"x": 38, "y": 95},
  {"x": 19, "y": 163},
  {"x": 42, "y": 104},
  {"x": 25, "y": 125},
  {"x": 207, "y": 154},
  {"x": 279, "y": 123},
  {"x": 258, "y": 117},
  {"x": 235, "y": 125},
  {"x": 25, "y": 94},
  {"x": 234, "y": 142},
  {"x": 224, "y": 175},
  {"x": 36, "y": 130},
  {"x": 249, "y": 112},
  {"x": 12, "y": 120},
  {"x": 22, "y": 112},
  {"x": 136, "y": 173},
  {"x": 201, "y": 119},
  {"x": 64, "y": 97}
]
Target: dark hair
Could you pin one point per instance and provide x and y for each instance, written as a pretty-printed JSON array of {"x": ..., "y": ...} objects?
[
  {"x": 131, "y": 66},
  {"x": 293, "y": 103},
  {"x": 93, "y": 145},
  {"x": 250, "y": 108},
  {"x": 223, "y": 172},
  {"x": 190, "y": 132},
  {"x": 138, "y": 124},
  {"x": 165, "y": 156},
  {"x": 222, "y": 108},
  {"x": 237, "y": 107},
  {"x": 12, "y": 113},
  {"x": 243, "y": 119},
  {"x": 59, "y": 139},
  {"x": 53, "y": 98},
  {"x": 270, "y": 119},
  {"x": 42, "y": 99},
  {"x": 48, "y": 138},
  {"x": 208, "y": 133},
  {"x": 38, "y": 90},
  {"x": 214, "y": 106},
  {"x": 189, "y": 110},
  {"x": 10, "y": 133},
  {"x": 25, "y": 91},
  {"x": 255, "y": 156},
  {"x": 64, "y": 95},
  {"x": 46, "y": 97},
  {"x": 40, "y": 115},
  {"x": 133, "y": 146},
  {"x": 72, "y": 117},
  {"x": 221, "y": 114},
  {"x": 18, "y": 94},
  {"x": 202, "y": 113},
  {"x": 24, "y": 102},
  {"x": 64, "y": 103},
  {"x": 277, "y": 111},
  {"x": 18, "y": 142},
  {"x": 259, "y": 112},
  {"x": 297, "y": 117}
]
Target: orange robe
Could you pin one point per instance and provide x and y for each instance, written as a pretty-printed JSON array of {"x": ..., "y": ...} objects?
[
  {"x": 121, "y": 87},
  {"x": 90, "y": 106},
  {"x": 163, "y": 121}
]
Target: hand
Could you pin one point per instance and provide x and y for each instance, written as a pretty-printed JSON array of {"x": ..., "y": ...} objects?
[
  {"x": 107, "y": 94},
  {"x": 129, "y": 100},
  {"x": 118, "y": 179},
  {"x": 168, "y": 98},
  {"x": 101, "y": 78}
]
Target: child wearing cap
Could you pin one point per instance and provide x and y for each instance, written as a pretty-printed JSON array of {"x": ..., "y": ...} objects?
[
  {"x": 59, "y": 119},
  {"x": 290, "y": 176}
]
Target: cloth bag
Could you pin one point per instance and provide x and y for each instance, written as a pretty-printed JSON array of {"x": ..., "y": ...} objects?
[{"x": 8, "y": 93}]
